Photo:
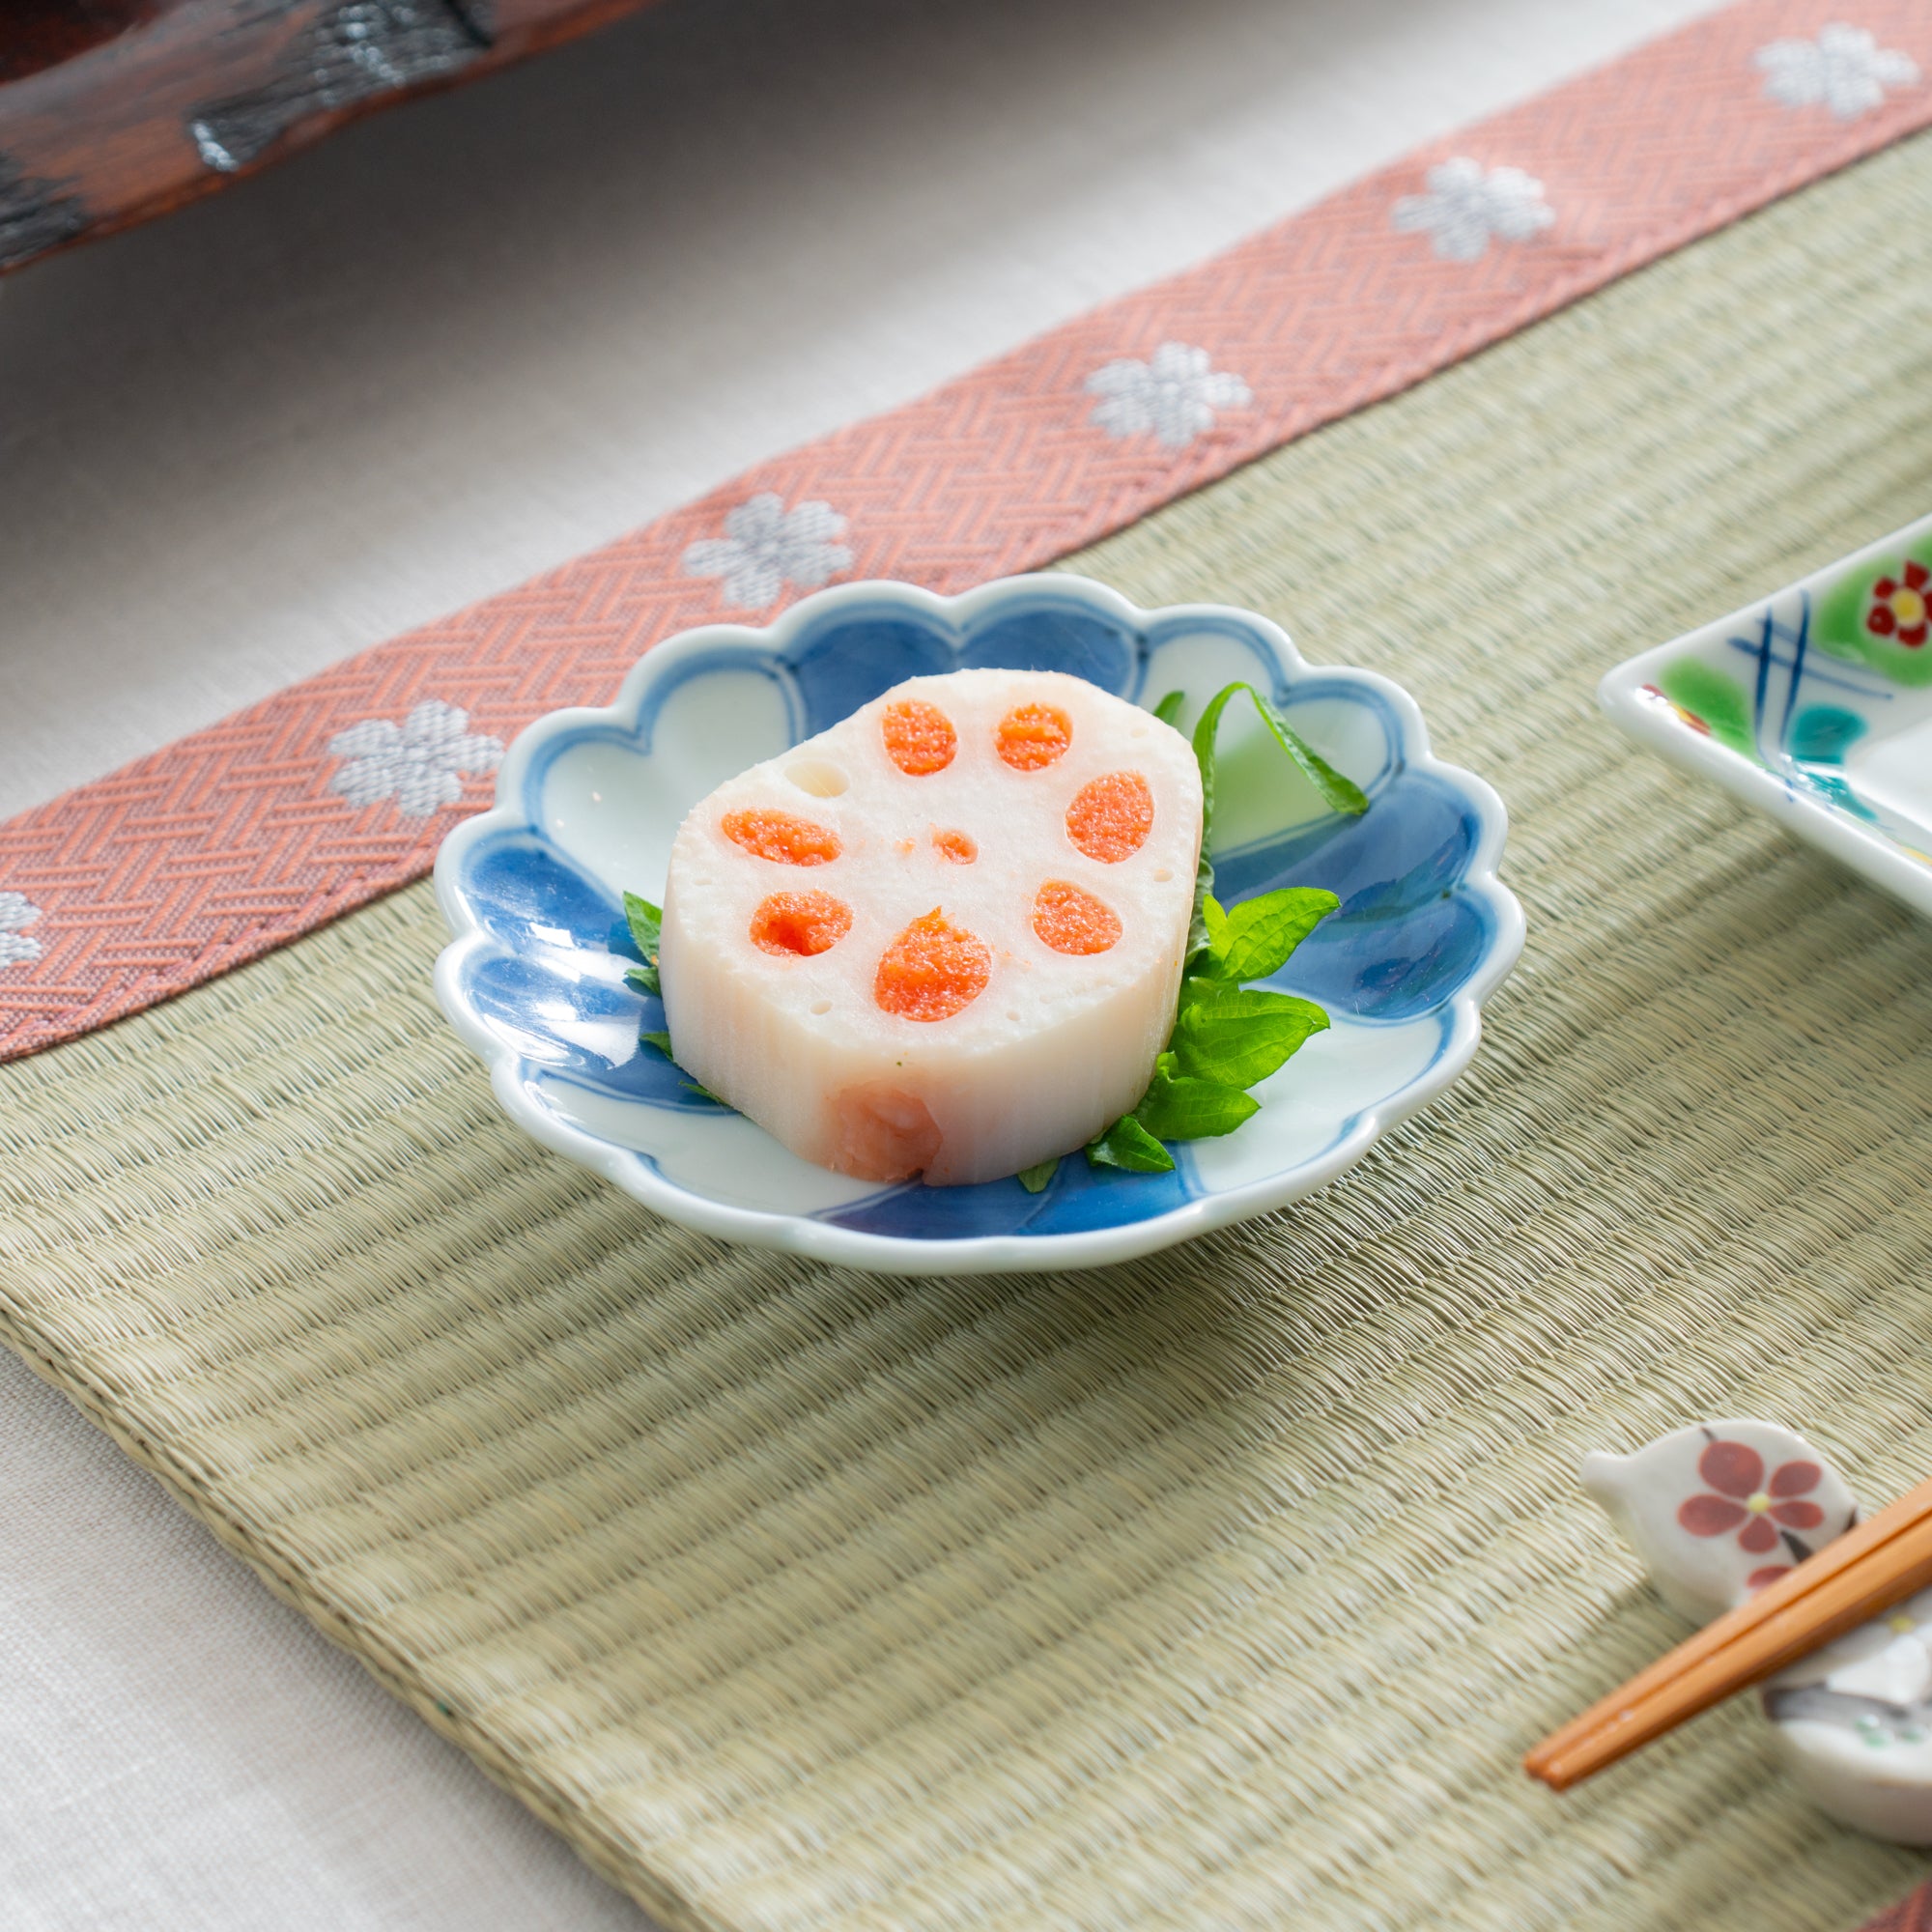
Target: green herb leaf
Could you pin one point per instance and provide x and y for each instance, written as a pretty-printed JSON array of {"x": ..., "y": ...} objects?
[
  {"x": 1169, "y": 707},
  {"x": 1199, "y": 944},
  {"x": 1184, "y": 1107},
  {"x": 1205, "y": 729},
  {"x": 661, "y": 1041},
  {"x": 647, "y": 922},
  {"x": 1237, "y": 1036},
  {"x": 1261, "y": 932},
  {"x": 1127, "y": 1144},
  {"x": 1338, "y": 793},
  {"x": 1200, "y": 987},
  {"x": 1214, "y": 921},
  {"x": 1034, "y": 1178}
]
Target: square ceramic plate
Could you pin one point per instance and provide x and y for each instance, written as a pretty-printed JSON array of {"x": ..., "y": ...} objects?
[
  {"x": 587, "y": 803},
  {"x": 1815, "y": 706}
]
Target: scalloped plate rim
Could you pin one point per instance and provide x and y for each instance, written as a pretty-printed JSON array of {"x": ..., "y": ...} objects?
[{"x": 897, "y": 1254}]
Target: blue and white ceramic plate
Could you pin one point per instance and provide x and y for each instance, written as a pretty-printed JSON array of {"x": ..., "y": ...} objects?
[
  {"x": 587, "y": 803},
  {"x": 1815, "y": 706}
]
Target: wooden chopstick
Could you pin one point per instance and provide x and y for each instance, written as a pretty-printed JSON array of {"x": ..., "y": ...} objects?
[{"x": 1867, "y": 1569}]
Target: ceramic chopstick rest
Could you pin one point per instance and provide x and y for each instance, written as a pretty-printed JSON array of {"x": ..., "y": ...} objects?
[
  {"x": 1721, "y": 1509},
  {"x": 1718, "y": 1510},
  {"x": 1854, "y": 1724}
]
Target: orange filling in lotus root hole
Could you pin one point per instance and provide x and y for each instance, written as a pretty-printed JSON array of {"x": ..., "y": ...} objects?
[
  {"x": 1110, "y": 817},
  {"x": 954, "y": 845},
  {"x": 920, "y": 738},
  {"x": 783, "y": 840},
  {"x": 1031, "y": 736},
  {"x": 932, "y": 970},
  {"x": 801, "y": 923},
  {"x": 1072, "y": 922}
]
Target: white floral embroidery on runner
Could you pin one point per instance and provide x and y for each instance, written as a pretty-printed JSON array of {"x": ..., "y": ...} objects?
[
  {"x": 1468, "y": 204},
  {"x": 1844, "y": 69},
  {"x": 17, "y": 912},
  {"x": 418, "y": 762},
  {"x": 1175, "y": 395},
  {"x": 766, "y": 546}
]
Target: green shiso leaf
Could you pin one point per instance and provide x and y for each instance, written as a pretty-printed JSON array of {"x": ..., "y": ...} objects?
[
  {"x": 1180, "y": 1106},
  {"x": 1226, "y": 1037},
  {"x": 1200, "y": 941},
  {"x": 1261, "y": 932},
  {"x": 661, "y": 1041},
  {"x": 1338, "y": 794},
  {"x": 1127, "y": 1144},
  {"x": 647, "y": 922},
  {"x": 1034, "y": 1178},
  {"x": 1214, "y": 923},
  {"x": 1239, "y": 1035}
]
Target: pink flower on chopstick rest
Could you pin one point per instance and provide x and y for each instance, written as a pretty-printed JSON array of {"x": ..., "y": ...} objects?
[
  {"x": 1720, "y": 1509},
  {"x": 1854, "y": 1719},
  {"x": 1755, "y": 1507}
]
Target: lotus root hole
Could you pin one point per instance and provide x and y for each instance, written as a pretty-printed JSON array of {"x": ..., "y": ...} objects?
[
  {"x": 819, "y": 776},
  {"x": 781, "y": 838},
  {"x": 1032, "y": 736},
  {"x": 803, "y": 924},
  {"x": 920, "y": 738},
  {"x": 932, "y": 970},
  {"x": 1073, "y": 922},
  {"x": 1111, "y": 817}
]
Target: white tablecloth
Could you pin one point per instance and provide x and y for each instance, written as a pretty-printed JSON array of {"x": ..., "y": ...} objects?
[{"x": 451, "y": 347}]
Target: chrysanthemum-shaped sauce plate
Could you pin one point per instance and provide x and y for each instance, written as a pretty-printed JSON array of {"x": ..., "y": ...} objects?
[
  {"x": 1815, "y": 706},
  {"x": 587, "y": 803}
]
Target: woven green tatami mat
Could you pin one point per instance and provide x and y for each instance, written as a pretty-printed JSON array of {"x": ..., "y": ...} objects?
[{"x": 1217, "y": 1591}]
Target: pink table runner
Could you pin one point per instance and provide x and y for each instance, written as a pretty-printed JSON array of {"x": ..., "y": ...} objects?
[{"x": 237, "y": 839}]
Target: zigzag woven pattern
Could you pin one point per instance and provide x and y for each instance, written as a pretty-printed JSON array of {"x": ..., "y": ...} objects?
[{"x": 239, "y": 839}]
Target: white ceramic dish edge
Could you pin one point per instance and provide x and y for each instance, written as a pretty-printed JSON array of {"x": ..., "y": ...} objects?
[
  {"x": 1622, "y": 696},
  {"x": 980, "y": 1254}
]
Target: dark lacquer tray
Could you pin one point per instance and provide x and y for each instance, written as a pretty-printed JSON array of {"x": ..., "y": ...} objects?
[{"x": 112, "y": 111}]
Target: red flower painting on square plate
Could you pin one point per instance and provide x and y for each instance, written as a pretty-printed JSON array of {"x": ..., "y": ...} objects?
[{"x": 1901, "y": 606}]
